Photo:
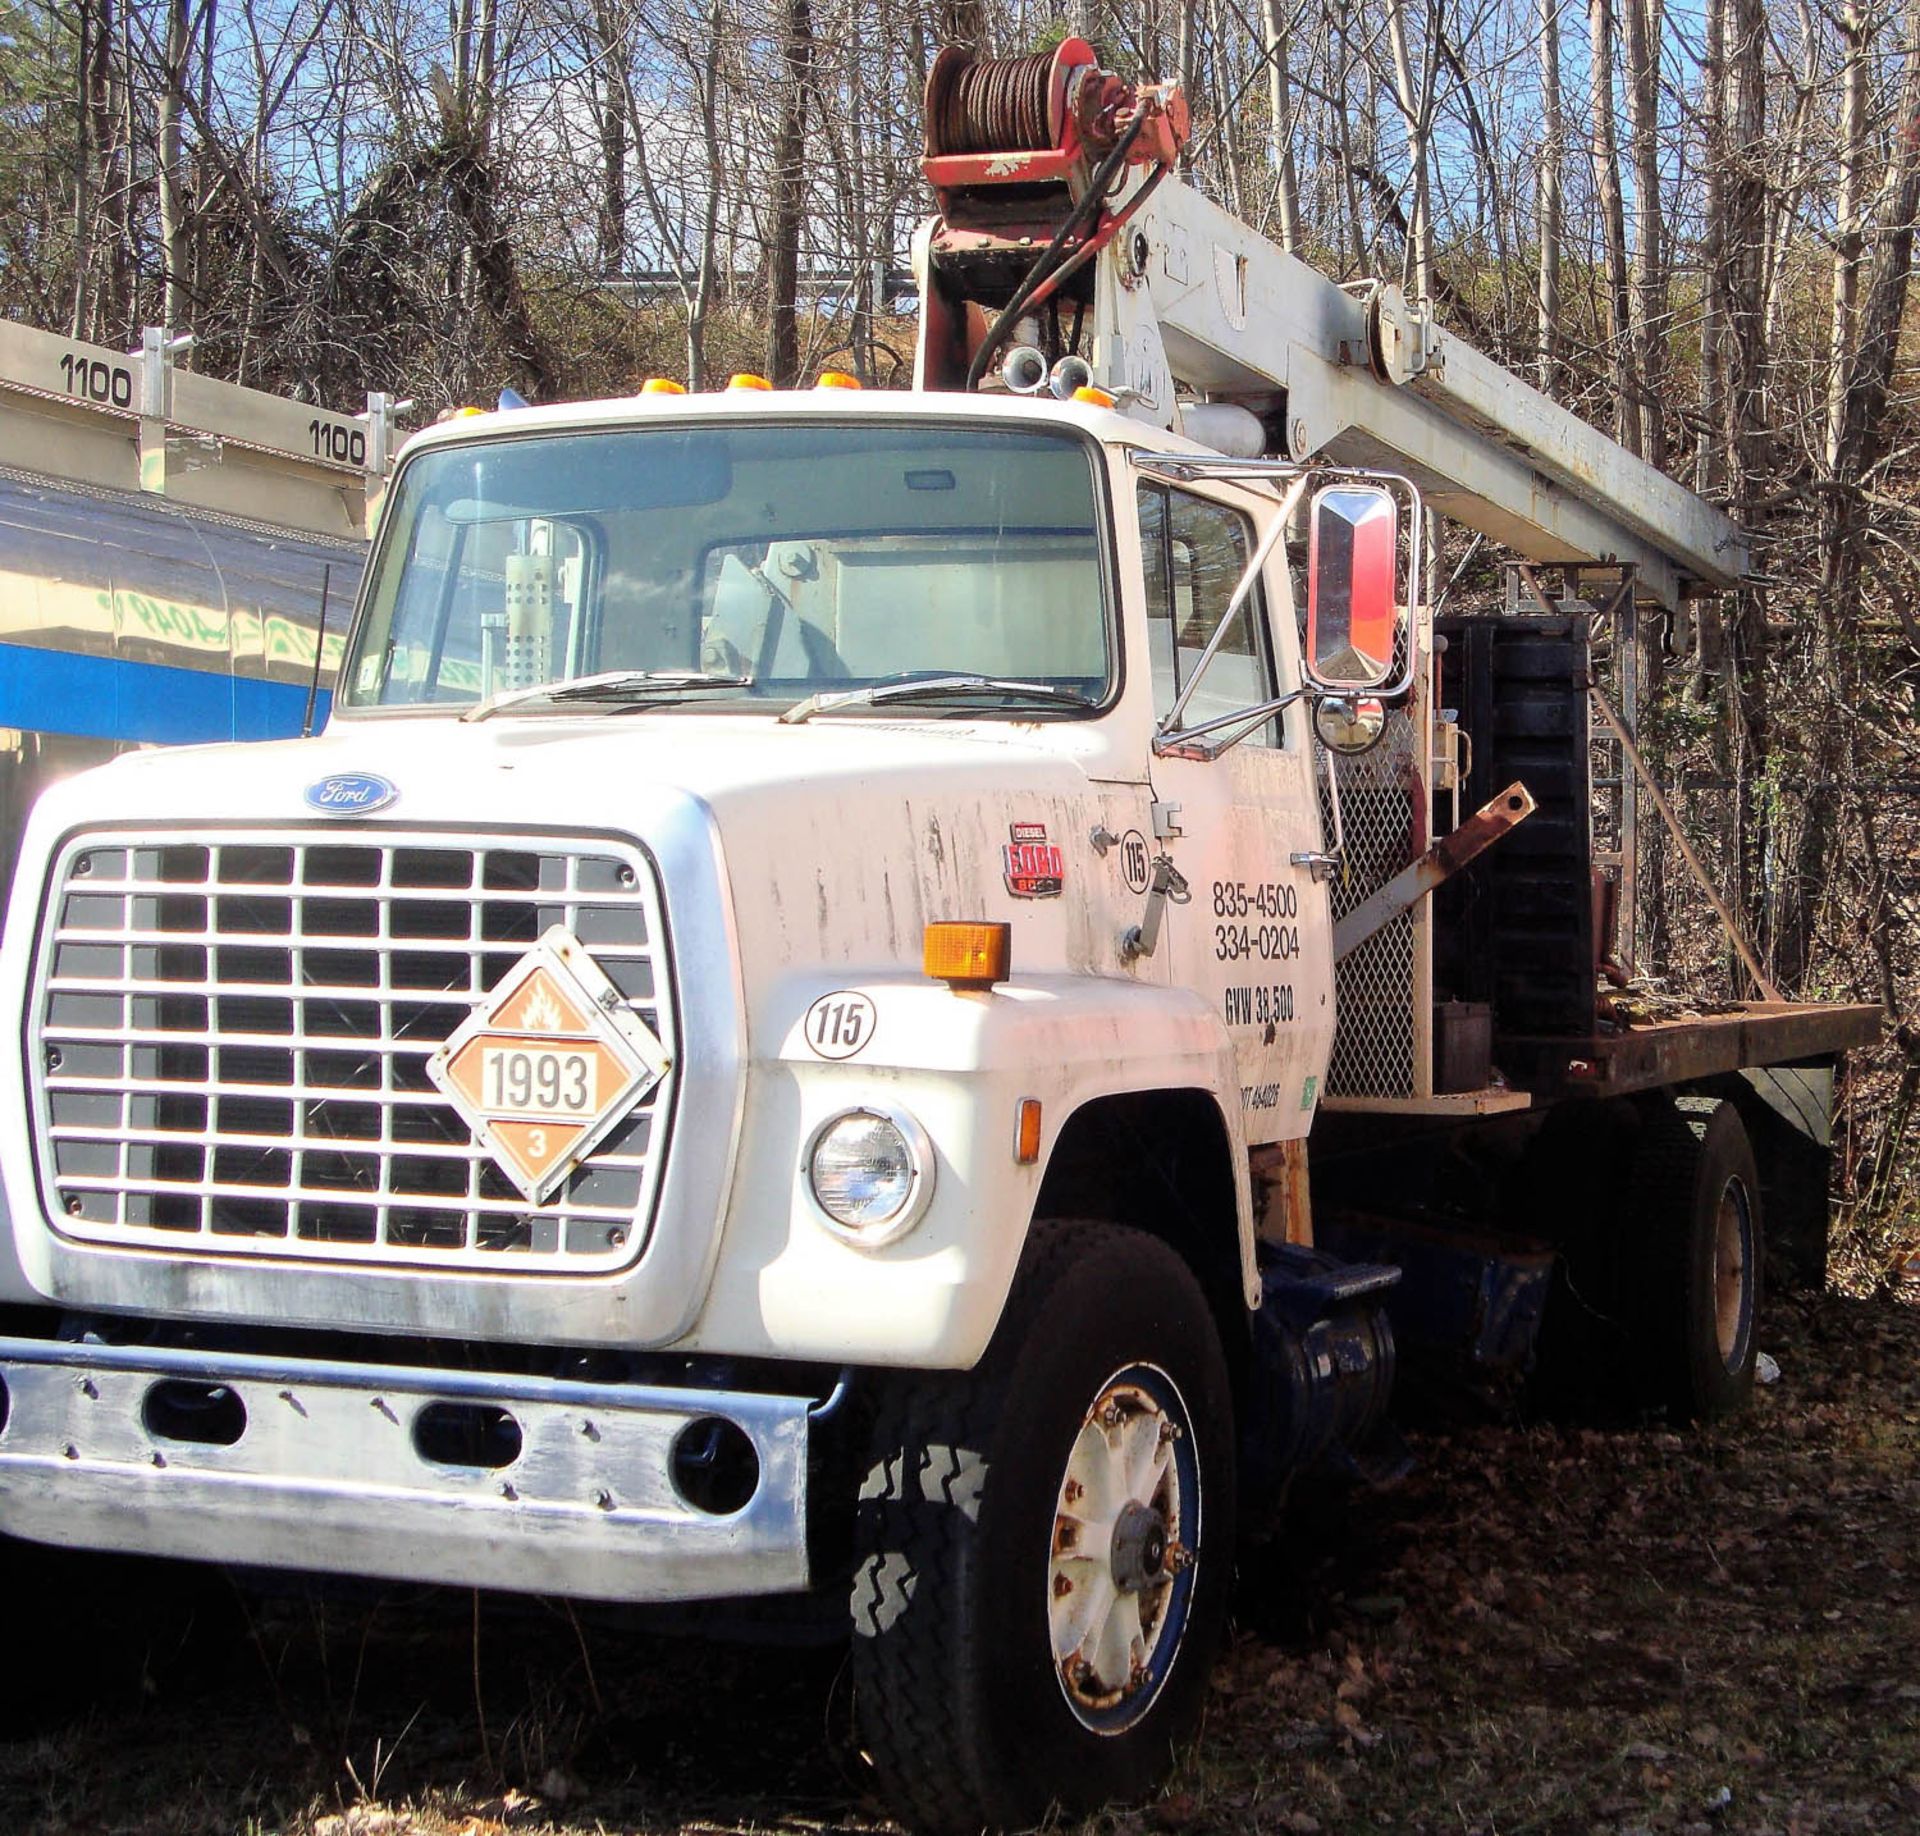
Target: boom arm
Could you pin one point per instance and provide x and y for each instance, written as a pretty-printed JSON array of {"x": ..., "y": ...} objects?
[{"x": 1181, "y": 302}]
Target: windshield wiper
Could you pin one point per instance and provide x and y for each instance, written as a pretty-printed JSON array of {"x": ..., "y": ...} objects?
[
  {"x": 610, "y": 685},
  {"x": 930, "y": 687}
]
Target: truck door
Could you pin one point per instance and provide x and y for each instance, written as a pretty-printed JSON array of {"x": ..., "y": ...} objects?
[{"x": 1253, "y": 935}]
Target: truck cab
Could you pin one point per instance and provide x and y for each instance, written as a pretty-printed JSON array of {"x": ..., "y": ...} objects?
[
  {"x": 834, "y": 670},
  {"x": 765, "y": 852}
]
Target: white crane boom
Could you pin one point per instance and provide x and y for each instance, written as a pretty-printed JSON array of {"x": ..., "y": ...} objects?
[{"x": 1174, "y": 301}]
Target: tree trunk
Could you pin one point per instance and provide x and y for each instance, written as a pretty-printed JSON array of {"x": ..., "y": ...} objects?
[
  {"x": 1553, "y": 140},
  {"x": 789, "y": 197},
  {"x": 92, "y": 132},
  {"x": 170, "y": 109},
  {"x": 1412, "y": 99},
  {"x": 1286, "y": 181},
  {"x": 710, "y": 217},
  {"x": 1740, "y": 249},
  {"x": 1340, "y": 54},
  {"x": 858, "y": 203},
  {"x": 1651, "y": 328},
  {"x": 1184, "y": 57},
  {"x": 1605, "y": 152},
  {"x": 610, "y": 49},
  {"x": 1849, "y": 244}
]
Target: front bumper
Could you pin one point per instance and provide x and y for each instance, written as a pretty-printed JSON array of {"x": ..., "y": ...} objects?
[{"x": 302, "y": 1464}]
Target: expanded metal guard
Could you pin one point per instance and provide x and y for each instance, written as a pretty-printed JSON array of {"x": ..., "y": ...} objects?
[
  {"x": 1383, "y": 988},
  {"x": 1373, "y": 1051}
]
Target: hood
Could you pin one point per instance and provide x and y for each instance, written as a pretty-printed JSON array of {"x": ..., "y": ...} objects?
[{"x": 842, "y": 836}]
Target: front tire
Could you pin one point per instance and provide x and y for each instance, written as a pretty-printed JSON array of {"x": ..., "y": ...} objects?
[{"x": 1044, "y": 1544}]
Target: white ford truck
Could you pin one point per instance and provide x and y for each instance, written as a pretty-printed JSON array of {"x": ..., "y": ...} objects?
[{"x": 770, "y": 1043}]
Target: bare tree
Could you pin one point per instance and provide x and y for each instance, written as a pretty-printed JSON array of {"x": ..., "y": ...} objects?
[
  {"x": 1605, "y": 154},
  {"x": 1650, "y": 288},
  {"x": 789, "y": 188}
]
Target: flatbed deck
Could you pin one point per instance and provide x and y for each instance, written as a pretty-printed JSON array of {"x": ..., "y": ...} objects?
[{"x": 1645, "y": 1054}]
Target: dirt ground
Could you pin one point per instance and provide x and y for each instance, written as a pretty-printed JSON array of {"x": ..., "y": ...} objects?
[{"x": 1545, "y": 1629}]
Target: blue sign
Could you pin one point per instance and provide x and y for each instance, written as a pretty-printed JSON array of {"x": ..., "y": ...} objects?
[{"x": 351, "y": 793}]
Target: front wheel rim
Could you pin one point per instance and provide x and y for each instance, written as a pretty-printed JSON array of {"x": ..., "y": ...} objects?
[
  {"x": 1125, "y": 1549},
  {"x": 1733, "y": 1275}
]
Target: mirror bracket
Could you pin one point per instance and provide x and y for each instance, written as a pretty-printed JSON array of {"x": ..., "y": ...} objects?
[
  {"x": 1317, "y": 861},
  {"x": 1210, "y": 738}
]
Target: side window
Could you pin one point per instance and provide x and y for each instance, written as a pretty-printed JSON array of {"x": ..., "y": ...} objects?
[
  {"x": 1193, "y": 553},
  {"x": 1153, "y": 566}
]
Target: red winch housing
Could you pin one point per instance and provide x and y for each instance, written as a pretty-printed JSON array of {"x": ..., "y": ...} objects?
[{"x": 1046, "y": 119}]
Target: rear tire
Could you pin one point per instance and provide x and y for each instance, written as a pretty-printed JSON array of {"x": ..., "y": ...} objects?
[
  {"x": 1044, "y": 1544},
  {"x": 1695, "y": 1210}
]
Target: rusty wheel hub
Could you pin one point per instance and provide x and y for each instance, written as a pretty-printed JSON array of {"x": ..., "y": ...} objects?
[{"x": 1125, "y": 1532}]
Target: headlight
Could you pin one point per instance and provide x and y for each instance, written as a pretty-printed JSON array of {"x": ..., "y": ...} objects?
[{"x": 871, "y": 1171}]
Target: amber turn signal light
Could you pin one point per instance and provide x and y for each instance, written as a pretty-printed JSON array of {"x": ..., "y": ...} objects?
[
  {"x": 1026, "y": 1139},
  {"x": 969, "y": 955}
]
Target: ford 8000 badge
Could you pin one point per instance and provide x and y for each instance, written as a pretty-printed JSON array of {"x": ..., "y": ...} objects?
[{"x": 351, "y": 793}]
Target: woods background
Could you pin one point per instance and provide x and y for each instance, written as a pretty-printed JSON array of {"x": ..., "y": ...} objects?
[{"x": 1691, "y": 219}]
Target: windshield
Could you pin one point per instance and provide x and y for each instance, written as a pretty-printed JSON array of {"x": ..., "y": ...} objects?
[{"x": 740, "y": 567}]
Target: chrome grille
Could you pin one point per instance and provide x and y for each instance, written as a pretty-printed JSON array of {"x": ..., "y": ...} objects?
[{"x": 232, "y": 1028}]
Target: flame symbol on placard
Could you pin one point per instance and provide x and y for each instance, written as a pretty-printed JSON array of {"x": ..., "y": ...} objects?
[{"x": 541, "y": 1012}]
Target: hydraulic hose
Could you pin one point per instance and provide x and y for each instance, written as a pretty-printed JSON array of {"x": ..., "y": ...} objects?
[{"x": 1076, "y": 219}]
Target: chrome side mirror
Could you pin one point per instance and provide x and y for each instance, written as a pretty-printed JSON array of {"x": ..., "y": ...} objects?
[{"x": 1354, "y": 613}]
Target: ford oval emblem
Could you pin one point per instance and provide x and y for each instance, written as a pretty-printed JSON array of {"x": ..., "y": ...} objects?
[{"x": 351, "y": 793}]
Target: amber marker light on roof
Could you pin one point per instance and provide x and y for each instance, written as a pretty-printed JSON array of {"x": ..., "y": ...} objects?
[
  {"x": 1026, "y": 1136},
  {"x": 745, "y": 379},
  {"x": 837, "y": 379},
  {"x": 969, "y": 955},
  {"x": 1094, "y": 398},
  {"x": 662, "y": 385}
]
